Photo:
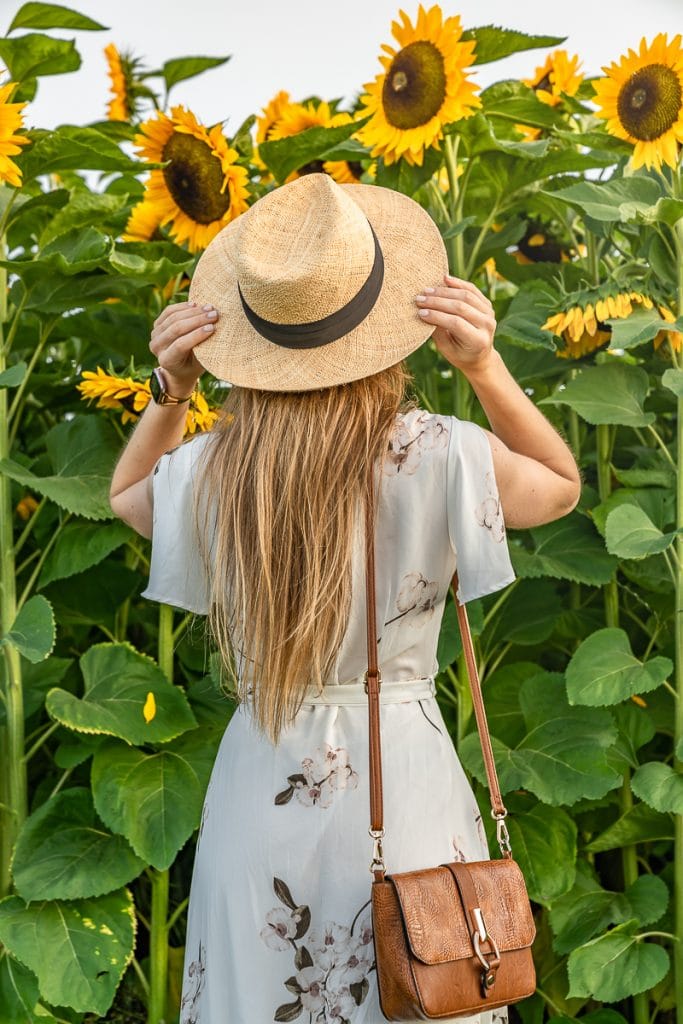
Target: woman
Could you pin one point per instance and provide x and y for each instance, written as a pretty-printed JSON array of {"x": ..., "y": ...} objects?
[{"x": 308, "y": 304}]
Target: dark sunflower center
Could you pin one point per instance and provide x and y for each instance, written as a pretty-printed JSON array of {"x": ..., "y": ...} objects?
[
  {"x": 414, "y": 86},
  {"x": 650, "y": 102},
  {"x": 194, "y": 178}
]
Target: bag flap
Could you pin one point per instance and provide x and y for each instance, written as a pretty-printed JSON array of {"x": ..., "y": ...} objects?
[{"x": 434, "y": 918}]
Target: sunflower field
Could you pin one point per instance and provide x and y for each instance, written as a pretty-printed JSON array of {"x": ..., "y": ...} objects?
[{"x": 562, "y": 198}]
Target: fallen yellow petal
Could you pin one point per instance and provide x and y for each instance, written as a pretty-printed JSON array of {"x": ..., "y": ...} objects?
[{"x": 150, "y": 708}]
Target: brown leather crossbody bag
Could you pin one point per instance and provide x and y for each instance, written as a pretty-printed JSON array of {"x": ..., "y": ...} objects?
[{"x": 455, "y": 939}]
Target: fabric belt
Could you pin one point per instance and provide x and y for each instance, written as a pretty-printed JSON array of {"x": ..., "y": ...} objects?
[{"x": 397, "y": 691}]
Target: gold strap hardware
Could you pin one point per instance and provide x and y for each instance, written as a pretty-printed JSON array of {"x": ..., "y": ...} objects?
[
  {"x": 379, "y": 679},
  {"x": 502, "y": 834},
  {"x": 377, "y": 862}
]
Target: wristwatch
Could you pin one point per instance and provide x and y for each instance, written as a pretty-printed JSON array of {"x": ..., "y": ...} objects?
[{"x": 157, "y": 385}]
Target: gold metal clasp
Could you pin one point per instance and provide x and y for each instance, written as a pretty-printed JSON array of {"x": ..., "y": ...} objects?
[
  {"x": 379, "y": 680},
  {"x": 502, "y": 834},
  {"x": 490, "y": 965},
  {"x": 377, "y": 862}
]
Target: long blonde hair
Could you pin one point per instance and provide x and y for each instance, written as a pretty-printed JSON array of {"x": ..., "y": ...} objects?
[{"x": 283, "y": 475}]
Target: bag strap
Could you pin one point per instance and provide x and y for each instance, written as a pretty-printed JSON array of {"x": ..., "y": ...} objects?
[{"x": 373, "y": 682}]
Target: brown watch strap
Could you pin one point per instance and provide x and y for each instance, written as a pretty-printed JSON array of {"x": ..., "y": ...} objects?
[{"x": 373, "y": 682}]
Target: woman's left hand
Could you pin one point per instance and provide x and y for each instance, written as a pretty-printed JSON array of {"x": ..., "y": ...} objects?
[
  {"x": 464, "y": 319},
  {"x": 177, "y": 329}
]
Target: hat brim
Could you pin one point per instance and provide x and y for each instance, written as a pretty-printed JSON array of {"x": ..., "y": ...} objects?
[{"x": 414, "y": 257}]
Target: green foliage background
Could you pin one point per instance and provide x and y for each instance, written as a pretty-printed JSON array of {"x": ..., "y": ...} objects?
[{"x": 577, "y": 655}]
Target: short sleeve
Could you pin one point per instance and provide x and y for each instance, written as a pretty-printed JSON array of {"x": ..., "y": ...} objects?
[
  {"x": 177, "y": 575},
  {"x": 475, "y": 517}
]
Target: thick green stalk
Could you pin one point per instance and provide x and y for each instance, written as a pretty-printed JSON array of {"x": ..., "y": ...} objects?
[
  {"x": 12, "y": 766},
  {"x": 158, "y": 938},
  {"x": 678, "y": 707},
  {"x": 456, "y": 260}
]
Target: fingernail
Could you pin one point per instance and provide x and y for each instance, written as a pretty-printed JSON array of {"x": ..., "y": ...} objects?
[
  {"x": 420, "y": 298},
  {"x": 207, "y": 307},
  {"x": 212, "y": 314},
  {"x": 209, "y": 327},
  {"x": 423, "y": 312},
  {"x": 430, "y": 291}
]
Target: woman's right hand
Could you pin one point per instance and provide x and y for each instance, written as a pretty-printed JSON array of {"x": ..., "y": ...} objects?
[
  {"x": 464, "y": 320},
  {"x": 175, "y": 332}
]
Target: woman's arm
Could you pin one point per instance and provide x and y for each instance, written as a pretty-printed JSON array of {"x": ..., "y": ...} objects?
[
  {"x": 161, "y": 427},
  {"x": 537, "y": 476}
]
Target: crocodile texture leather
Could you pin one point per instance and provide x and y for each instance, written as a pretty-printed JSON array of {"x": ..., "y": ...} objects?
[{"x": 453, "y": 940}]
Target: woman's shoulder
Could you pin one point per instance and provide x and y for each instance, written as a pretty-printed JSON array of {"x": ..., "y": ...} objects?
[
  {"x": 185, "y": 454},
  {"x": 417, "y": 437}
]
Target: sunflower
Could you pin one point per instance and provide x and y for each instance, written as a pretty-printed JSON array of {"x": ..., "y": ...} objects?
[
  {"x": 675, "y": 338},
  {"x": 133, "y": 396},
  {"x": 270, "y": 115},
  {"x": 642, "y": 101},
  {"x": 298, "y": 117},
  {"x": 559, "y": 74},
  {"x": 26, "y": 506},
  {"x": 119, "y": 107},
  {"x": 582, "y": 327},
  {"x": 143, "y": 222},
  {"x": 423, "y": 87},
  {"x": 11, "y": 118},
  {"x": 203, "y": 187}
]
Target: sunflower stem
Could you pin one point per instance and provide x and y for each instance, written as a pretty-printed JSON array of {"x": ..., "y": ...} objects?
[
  {"x": 456, "y": 247},
  {"x": 13, "y": 784}
]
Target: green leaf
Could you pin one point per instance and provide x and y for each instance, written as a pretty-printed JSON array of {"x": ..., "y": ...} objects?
[
  {"x": 33, "y": 630},
  {"x": 408, "y": 178},
  {"x": 62, "y": 852},
  {"x": 660, "y": 786},
  {"x": 630, "y": 533},
  {"x": 588, "y": 909},
  {"x": 544, "y": 844},
  {"x": 151, "y": 262},
  {"x": 513, "y": 101},
  {"x": 80, "y": 545},
  {"x": 616, "y": 965},
  {"x": 603, "y": 670},
  {"x": 609, "y": 393},
  {"x": 524, "y": 317},
  {"x": 673, "y": 380},
  {"x": 71, "y": 147},
  {"x": 94, "y": 597},
  {"x": 117, "y": 680},
  {"x": 530, "y": 616},
  {"x": 494, "y": 43},
  {"x": 84, "y": 209},
  {"x": 34, "y": 54},
  {"x": 640, "y": 326},
  {"x": 665, "y": 211},
  {"x": 78, "y": 950},
  {"x": 596, "y": 1017},
  {"x": 562, "y": 756},
  {"x": 72, "y": 253},
  {"x": 567, "y": 549},
  {"x": 18, "y": 991},
  {"x": 620, "y": 199},
  {"x": 13, "y": 375},
  {"x": 640, "y": 824},
  {"x": 450, "y": 642},
  {"x": 36, "y": 15},
  {"x": 282, "y": 156},
  {"x": 151, "y": 799},
  {"x": 181, "y": 68}
]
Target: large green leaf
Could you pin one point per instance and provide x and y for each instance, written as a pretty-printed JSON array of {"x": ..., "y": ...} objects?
[
  {"x": 154, "y": 800},
  {"x": 72, "y": 147},
  {"x": 603, "y": 670},
  {"x": 525, "y": 315},
  {"x": 660, "y": 786},
  {"x": 640, "y": 824},
  {"x": 609, "y": 393},
  {"x": 117, "y": 680},
  {"x": 179, "y": 69},
  {"x": 494, "y": 43},
  {"x": 94, "y": 597},
  {"x": 513, "y": 101},
  {"x": 34, "y": 54},
  {"x": 86, "y": 496},
  {"x": 63, "y": 852},
  {"x": 630, "y": 533},
  {"x": 84, "y": 209},
  {"x": 18, "y": 991},
  {"x": 620, "y": 199},
  {"x": 616, "y": 965},
  {"x": 641, "y": 326},
  {"x": 673, "y": 380},
  {"x": 36, "y": 679},
  {"x": 40, "y": 15},
  {"x": 13, "y": 375},
  {"x": 74, "y": 252},
  {"x": 80, "y": 545},
  {"x": 78, "y": 949},
  {"x": 153, "y": 262},
  {"x": 530, "y": 616},
  {"x": 544, "y": 844},
  {"x": 588, "y": 909},
  {"x": 567, "y": 549},
  {"x": 33, "y": 630},
  {"x": 282, "y": 156},
  {"x": 562, "y": 756}
]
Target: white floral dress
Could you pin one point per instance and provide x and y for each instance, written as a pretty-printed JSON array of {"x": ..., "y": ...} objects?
[{"x": 279, "y": 924}]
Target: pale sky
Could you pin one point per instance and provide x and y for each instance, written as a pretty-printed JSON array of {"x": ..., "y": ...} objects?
[{"x": 311, "y": 46}]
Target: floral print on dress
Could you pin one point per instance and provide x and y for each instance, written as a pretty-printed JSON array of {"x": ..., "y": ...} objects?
[
  {"x": 331, "y": 968},
  {"x": 416, "y": 599},
  {"x": 189, "y": 1007},
  {"x": 489, "y": 512},
  {"x": 321, "y": 776},
  {"x": 408, "y": 441}
]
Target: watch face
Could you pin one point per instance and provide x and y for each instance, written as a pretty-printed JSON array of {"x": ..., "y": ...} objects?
[{"x": 156, "y": 384}]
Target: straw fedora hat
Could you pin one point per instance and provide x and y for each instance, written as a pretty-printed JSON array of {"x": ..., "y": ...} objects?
[{"x": 315, "y": 285}]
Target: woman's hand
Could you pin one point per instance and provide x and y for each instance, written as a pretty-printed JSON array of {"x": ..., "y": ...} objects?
[
  {"x": 177, "y": 329},
  {"x": 464, "y": 320}
]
